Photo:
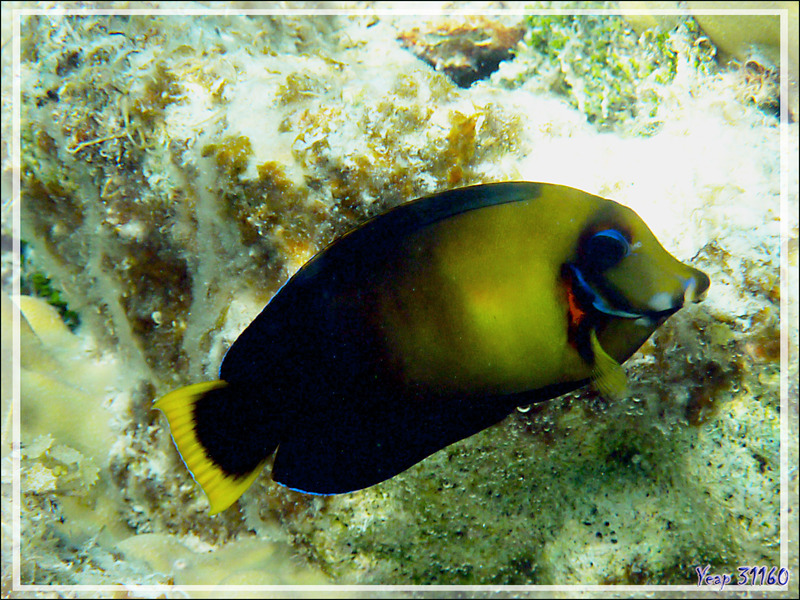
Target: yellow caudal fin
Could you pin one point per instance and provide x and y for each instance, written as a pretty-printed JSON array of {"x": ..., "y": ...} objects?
[
  {"x": 222, "y": 487},
  {"x": 607, "y": 374}
]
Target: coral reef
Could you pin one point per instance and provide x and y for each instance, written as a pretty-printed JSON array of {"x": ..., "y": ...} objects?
[
  {"x": 76, "y": 525},
  {"x": 177, "y": 170}
]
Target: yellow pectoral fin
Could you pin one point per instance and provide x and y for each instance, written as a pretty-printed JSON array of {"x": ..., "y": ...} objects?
[
  {"x": 607, "y": 374},
  {"x": 222, "y": 489}
]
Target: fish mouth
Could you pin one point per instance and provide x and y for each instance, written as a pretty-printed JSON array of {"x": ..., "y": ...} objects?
[
  {"x": 601, "y": 297},
  {"x": 696, "y": 288}
]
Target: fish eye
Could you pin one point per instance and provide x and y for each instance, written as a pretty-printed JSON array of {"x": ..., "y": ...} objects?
[{"x": 605, "y": 249}]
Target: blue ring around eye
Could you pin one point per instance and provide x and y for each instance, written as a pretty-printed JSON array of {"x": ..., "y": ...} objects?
[
  {"x": 616, "y": 236},
  {"x": 605, "y": 249}
]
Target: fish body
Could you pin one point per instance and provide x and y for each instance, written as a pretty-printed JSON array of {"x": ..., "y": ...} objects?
[{"x": 424, "y": 326}]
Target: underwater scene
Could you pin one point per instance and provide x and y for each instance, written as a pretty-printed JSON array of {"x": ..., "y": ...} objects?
[{"x": 530, "y": 275}]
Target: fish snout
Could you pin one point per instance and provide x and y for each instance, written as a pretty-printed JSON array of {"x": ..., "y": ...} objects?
[
  {"x": 696, "y": 287},
  {"x": 690, "y": 289}
]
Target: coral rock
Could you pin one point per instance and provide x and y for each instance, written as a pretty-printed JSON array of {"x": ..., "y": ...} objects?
[{"x": 466, "y": 50}]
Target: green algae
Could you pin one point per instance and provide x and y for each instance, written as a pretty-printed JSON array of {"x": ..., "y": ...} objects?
[
  {"x": 42, "y": 287},
  {"x": 604, "y": 69},
  {"x": 38, "y": 284}
]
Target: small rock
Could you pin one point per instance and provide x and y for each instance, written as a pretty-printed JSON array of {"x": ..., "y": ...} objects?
[{"x": 465, "y": 49}]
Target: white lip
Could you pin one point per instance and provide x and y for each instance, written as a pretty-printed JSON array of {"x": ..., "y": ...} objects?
[
  {"x": 660, "y": 302},
  {"x": 663, "y": 301}
]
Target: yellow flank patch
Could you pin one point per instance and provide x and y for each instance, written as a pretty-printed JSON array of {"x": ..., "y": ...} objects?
[
  {"x": 607, "y": 374},
  {"x": 221, "y": 488}
]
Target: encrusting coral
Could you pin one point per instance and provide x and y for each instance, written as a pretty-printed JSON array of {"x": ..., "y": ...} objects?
[{"x": 177, "y": 170}]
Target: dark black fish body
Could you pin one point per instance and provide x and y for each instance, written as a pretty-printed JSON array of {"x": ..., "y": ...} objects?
[{"x": 424, "y": 326}]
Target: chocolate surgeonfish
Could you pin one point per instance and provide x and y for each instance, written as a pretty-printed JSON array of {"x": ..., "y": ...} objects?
[{"x": 423, "y": 326}]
